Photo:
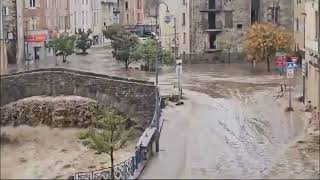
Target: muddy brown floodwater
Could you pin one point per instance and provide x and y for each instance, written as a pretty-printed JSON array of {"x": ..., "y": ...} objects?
[
  {"x": 43, "y": 152},
  {"x": 231, "y": 126}
]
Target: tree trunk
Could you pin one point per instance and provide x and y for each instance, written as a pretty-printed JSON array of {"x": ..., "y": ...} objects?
[
  {"x": 268, "y": 61},
  {"x": 126, "y": 64},
  {"x": 229, "y": 54},
  {"x": 64, "y": 59},
  {"x": 112, "y": 164}
]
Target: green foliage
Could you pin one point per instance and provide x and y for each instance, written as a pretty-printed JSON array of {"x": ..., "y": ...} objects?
[
  {"x": 110, "y": 135},
  {"x": 83, "y": 42},
  {"x": 227, "y": 47},
  {"x": 123, "y": 44},
  {"x": 264, "y": 40},
  {"x": 147, "y": 52},
  {"x": 63, "y": 45}
]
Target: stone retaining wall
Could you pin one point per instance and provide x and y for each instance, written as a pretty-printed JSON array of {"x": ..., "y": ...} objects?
[
  {"x": 61, "y": 111},
  {"x": 132, "y": 97}
]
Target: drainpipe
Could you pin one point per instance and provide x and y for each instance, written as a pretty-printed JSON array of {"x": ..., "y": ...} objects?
[{"x": 319, "y": 56}]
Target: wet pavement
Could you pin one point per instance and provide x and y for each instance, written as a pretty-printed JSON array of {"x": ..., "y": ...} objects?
[{"x": 231, "y": 125}]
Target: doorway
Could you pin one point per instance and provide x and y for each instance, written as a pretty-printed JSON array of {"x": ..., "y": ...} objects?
[{"x": 37, "y": 53}]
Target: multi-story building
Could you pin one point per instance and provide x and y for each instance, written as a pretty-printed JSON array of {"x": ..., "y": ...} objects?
[
  {"x": 80, "y": 15},
  {"x": 299, "y": 24},
  {"x": 96, "y": 28},
  {"x": 312, "y": 63},
  {"x": 299, "y": 32},
  {"x": 213, "y": 21},
  {"x": 175, "y": 35},
  {"x": 57, "y": 15},
  {"x": 132, "y": 12},
  {"x": 109, "y": 13},
  {"x": 35, "y": 28},
  {"x": 218, "y": 20},
  {"x": 280, "y": 12},
  {"x": 12, "y": 17}
]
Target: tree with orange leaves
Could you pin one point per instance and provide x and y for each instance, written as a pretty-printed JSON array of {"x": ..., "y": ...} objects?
[{"x": 264, "y": 40}]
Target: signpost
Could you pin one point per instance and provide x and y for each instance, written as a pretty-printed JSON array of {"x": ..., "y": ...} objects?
[
  {"x": 179, "y": 73},
  {"x": 290, "y": 75}
]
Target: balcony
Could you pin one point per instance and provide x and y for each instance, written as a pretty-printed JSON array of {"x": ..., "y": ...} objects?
[
  {"x": 212, "y": 6},
  {"x": 212, "y": 50},
  {"x": 108, "y": 1},
  {"x": 217, "y": 27}
]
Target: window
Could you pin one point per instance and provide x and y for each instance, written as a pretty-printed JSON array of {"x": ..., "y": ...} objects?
[
  {"x": 184, "y": 38},
  {"x": 298, "y": 1},
  {"x": 297, "y": 25},
  {"x": 138, "y": 17},
  {"x": 317, "y": 25},
  {"x": 82, "y": 18},
  {"x": 127, "y": 5},
  {"x": 183, "y": 19},
  {"x": 87, "y": 2},
  {"x": 184, "y": 2},
  {"x": 32, "y": 24},
  {"x": 5, "y": 11},
  {"x": 228, "y": 20},
  {"x": 33, "y": 3},
  {"x": 139, "y": 4},
  {"x": 239, "y": 26},
  {"x": 127, "y": 18}
]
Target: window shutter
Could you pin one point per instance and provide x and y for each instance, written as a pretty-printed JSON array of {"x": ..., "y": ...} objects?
[
  {"x": 27, "y": 3},
  {"x": 37, "y": 3}
]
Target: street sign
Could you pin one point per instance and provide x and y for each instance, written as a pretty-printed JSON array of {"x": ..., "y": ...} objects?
[{"x": 290, "y": 70}]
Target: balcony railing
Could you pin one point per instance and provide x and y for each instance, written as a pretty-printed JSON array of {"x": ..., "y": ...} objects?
[
  {"x": 216, "y": 28},
  {"x": 216, "y": 8}
]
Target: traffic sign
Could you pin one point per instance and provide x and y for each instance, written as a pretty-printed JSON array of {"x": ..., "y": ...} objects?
[{"x": 290, "y": 70}]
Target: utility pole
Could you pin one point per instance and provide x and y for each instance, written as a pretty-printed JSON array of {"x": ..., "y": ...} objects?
[
  {"x": 175, "y": 39},
  {"x": 1, "y": 23},
  {"x": 319, "y": 55}
]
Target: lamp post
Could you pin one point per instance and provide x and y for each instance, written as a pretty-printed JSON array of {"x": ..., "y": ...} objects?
[{"x": 157, "y": 72}]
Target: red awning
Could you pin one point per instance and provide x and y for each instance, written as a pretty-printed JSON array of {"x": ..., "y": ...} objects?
[{"x": 35, "y": 38}]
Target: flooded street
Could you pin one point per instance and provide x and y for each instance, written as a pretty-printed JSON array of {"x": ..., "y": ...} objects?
[{"x": 231, "y": 125}]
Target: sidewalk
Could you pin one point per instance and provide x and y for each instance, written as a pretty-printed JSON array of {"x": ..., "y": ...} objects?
[{"x": 301, "y": 160}]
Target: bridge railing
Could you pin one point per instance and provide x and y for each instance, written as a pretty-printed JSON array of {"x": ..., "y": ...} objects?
[{"x": 131, "y": 168}]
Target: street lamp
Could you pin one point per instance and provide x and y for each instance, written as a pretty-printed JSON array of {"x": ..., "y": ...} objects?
[{"x": 167, "y": 20}]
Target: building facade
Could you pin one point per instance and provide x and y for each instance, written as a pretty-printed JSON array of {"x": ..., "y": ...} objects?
[
  {"x": 175, "y": 36},
  {"x": 36, "y": 32},
  {"x": 215, "y": 21},
  {"x": 311, "y": 68},
  {"x": 57, "y": 15},
  {"x": 96, "y": 28},
  {"x": 108, "y": 13},
  {"x": 80, "y": 15},
  {"x": 12, "y": 26},
  {"x": 132, "y": 12},
  {"x": 218, "y": 20},
  {"x": 299, "y": 24},
  {"x": 280, "y": 12}
]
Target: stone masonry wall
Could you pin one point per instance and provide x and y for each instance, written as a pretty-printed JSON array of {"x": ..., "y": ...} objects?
[
  {"x": 10, "y": 26},
  {"x": 132, "y": 97},
  {"x": 61, "y": 111},
  {"x": 199, "y": 23}
]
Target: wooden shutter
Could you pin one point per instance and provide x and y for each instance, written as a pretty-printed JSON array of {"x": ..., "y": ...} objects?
[
  {"x": 27, "y": 3},
  {"x": 37, "y": 3}
]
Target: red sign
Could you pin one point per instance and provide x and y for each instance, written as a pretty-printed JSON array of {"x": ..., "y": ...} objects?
[
  {"x": 280, "y": 61},
  {"x": 35, "y": 38}
]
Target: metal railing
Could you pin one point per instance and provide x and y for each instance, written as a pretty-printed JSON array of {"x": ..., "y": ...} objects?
[{"x": 128, "y": 168}]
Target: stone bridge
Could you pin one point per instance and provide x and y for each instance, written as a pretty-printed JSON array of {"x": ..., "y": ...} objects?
[{"x": 134, "y": 98}]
